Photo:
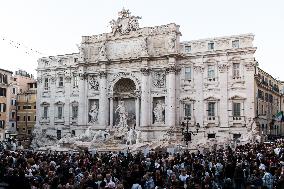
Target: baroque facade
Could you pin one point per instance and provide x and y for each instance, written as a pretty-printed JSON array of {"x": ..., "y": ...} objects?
[{"x": 146, "y": 79}]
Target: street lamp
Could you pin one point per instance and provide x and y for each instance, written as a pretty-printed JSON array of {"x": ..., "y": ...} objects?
[{"x": 186, "y": 133}]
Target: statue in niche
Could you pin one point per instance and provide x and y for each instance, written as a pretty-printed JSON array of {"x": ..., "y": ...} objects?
[
  {"x": 159, "y": 79},
  {"x": 82, "y": 52},
  {"x": 102, "y": 52},
  {"x": 144, "y": 47},
  {"x": 94, "y": 84},
  {"x": 171, "y": 42},
  {"x": 93, "y": 113},
  {"x": 123, "y": 114},
  {"x": 158, "y": 112}
]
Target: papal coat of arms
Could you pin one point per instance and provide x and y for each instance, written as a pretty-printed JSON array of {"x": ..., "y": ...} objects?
[{"x": 125, "y": 23}]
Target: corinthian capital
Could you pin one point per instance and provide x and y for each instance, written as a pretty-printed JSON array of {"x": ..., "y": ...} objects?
[
  {"x": 103, "y": 74},
  {"x": 145, "y": 71},
  {"x": 172, "y": 69}
]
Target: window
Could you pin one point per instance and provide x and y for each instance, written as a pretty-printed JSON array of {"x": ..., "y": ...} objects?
[
  {"x": 266, "y": 97},
  {"x": 60, "y": 84},
  {"x": 236, "y": 136},
  {"x": 29, "y": 118},
  {"x": 14, "y": 90},
  {"x": 45, "y": 112},
  {"x": 46, "y": 85},
  {"x": 235, "y": 44},
  {"x": 2, "y": 124},
  {"x": 19, "y": 107},
  {"x": 3, "y": 78},
  {"x": 13, "y": 124},
  {"x": 236, "y": 70},
  {"x": 35, "y": 118},
  {"x": 18, "y": 118},
  {"x": 211, "y": 135},
  {"x": 2, "y": 107},
  {"x": 187, "y": 110},
  {"x": 59, "y": 112},
  {"x": 24, "y": 118},
  {"x": 236, "y": 109},
  {"x": 75, "y": 81},
  {"x": 187, "y": 48},
  {"x": 74, "y": 111},
  {"x": 13, "y": 102},
  {"x": 270, "y": 98},
  {"x": 211, "y": 46},
  {"x": 29, "y": 131},
  {"x": 211, "y": 72},
  {"x": 13, "y": 114},
  {"x": 27, "y": 107},
  {"x": 34, "y": 107},
  {"x": 58, "y": 134},
  {"x": 260, "y": 94},
  {"x": 75, "y": 60},
  {"x": 2, "y": 92},
  {"x": 211, "y": 109},
  {"x": 187, "y": 74}
]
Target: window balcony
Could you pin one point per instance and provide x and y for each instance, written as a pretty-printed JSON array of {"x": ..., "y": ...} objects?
[
  {"x": 59, "y": 120},
  {"x": 44, "y": 120},
  {"x": 211, "y": 120},
  {"x": 73, "y": 119},
  {"x": 212, "y": 79},
  {"x": 233, "y": 120}
]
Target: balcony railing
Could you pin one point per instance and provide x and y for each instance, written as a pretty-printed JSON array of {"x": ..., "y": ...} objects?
[
  {"x": 211, "y": 120},
  {"x": 59, "y": 119},
  {"x": 237, "y": 120},
  {"x": 44, "y": 120}
]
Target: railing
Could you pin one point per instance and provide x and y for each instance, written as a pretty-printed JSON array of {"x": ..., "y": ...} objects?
[
  {"x": 59, "y": 119},
  {"x": 211, "y": 120},
  {"x": 44, "y": 120},
  {"x": 237, "y": 120}
]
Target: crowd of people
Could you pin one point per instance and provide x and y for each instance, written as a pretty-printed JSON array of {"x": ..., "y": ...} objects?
[{"x": 247, "y": 166}]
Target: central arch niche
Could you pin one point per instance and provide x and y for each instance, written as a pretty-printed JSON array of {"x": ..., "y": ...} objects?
[{"x": 124, "y": 101}]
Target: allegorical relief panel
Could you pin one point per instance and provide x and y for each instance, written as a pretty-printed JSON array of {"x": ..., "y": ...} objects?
[
  {"x": 128, "y": 48},
  {"x": 159, "y": 79},
  {"x": 93, "y": 83}
]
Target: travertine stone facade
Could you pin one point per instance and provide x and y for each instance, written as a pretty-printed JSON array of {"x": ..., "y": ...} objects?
[{"x": 148, "y": 79}]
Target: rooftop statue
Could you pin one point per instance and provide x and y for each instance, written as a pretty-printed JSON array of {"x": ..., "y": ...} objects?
[{"x": 125, "y": 23}]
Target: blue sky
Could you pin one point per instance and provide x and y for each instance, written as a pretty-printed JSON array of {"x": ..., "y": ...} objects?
[{"x": 55, "y": 26}]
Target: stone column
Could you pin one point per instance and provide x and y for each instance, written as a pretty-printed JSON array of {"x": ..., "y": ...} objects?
[
  {"x": 67, "y": 100},
  {"x": 137, "y": 111},
  {"x": 103, "y": 102},
  {"x": 82, "y": 101},
  {"x": 223, "y": 80},
  {"x": 145, "y": 98},
  {"x": 52, "y": 111},
  {"x": 200, "y": 104},
  {"x": 111, "y": 112},
  {"x": 171, "y": 94}
]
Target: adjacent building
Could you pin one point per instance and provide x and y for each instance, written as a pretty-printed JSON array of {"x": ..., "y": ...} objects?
[
  {"x": 145, "y": 78},
  {"x": 26, "y": 104},
  {"x": 26, "y": 114},
  {"x": 5, "y": 103},
  {"x": 269, "y": 97}
]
